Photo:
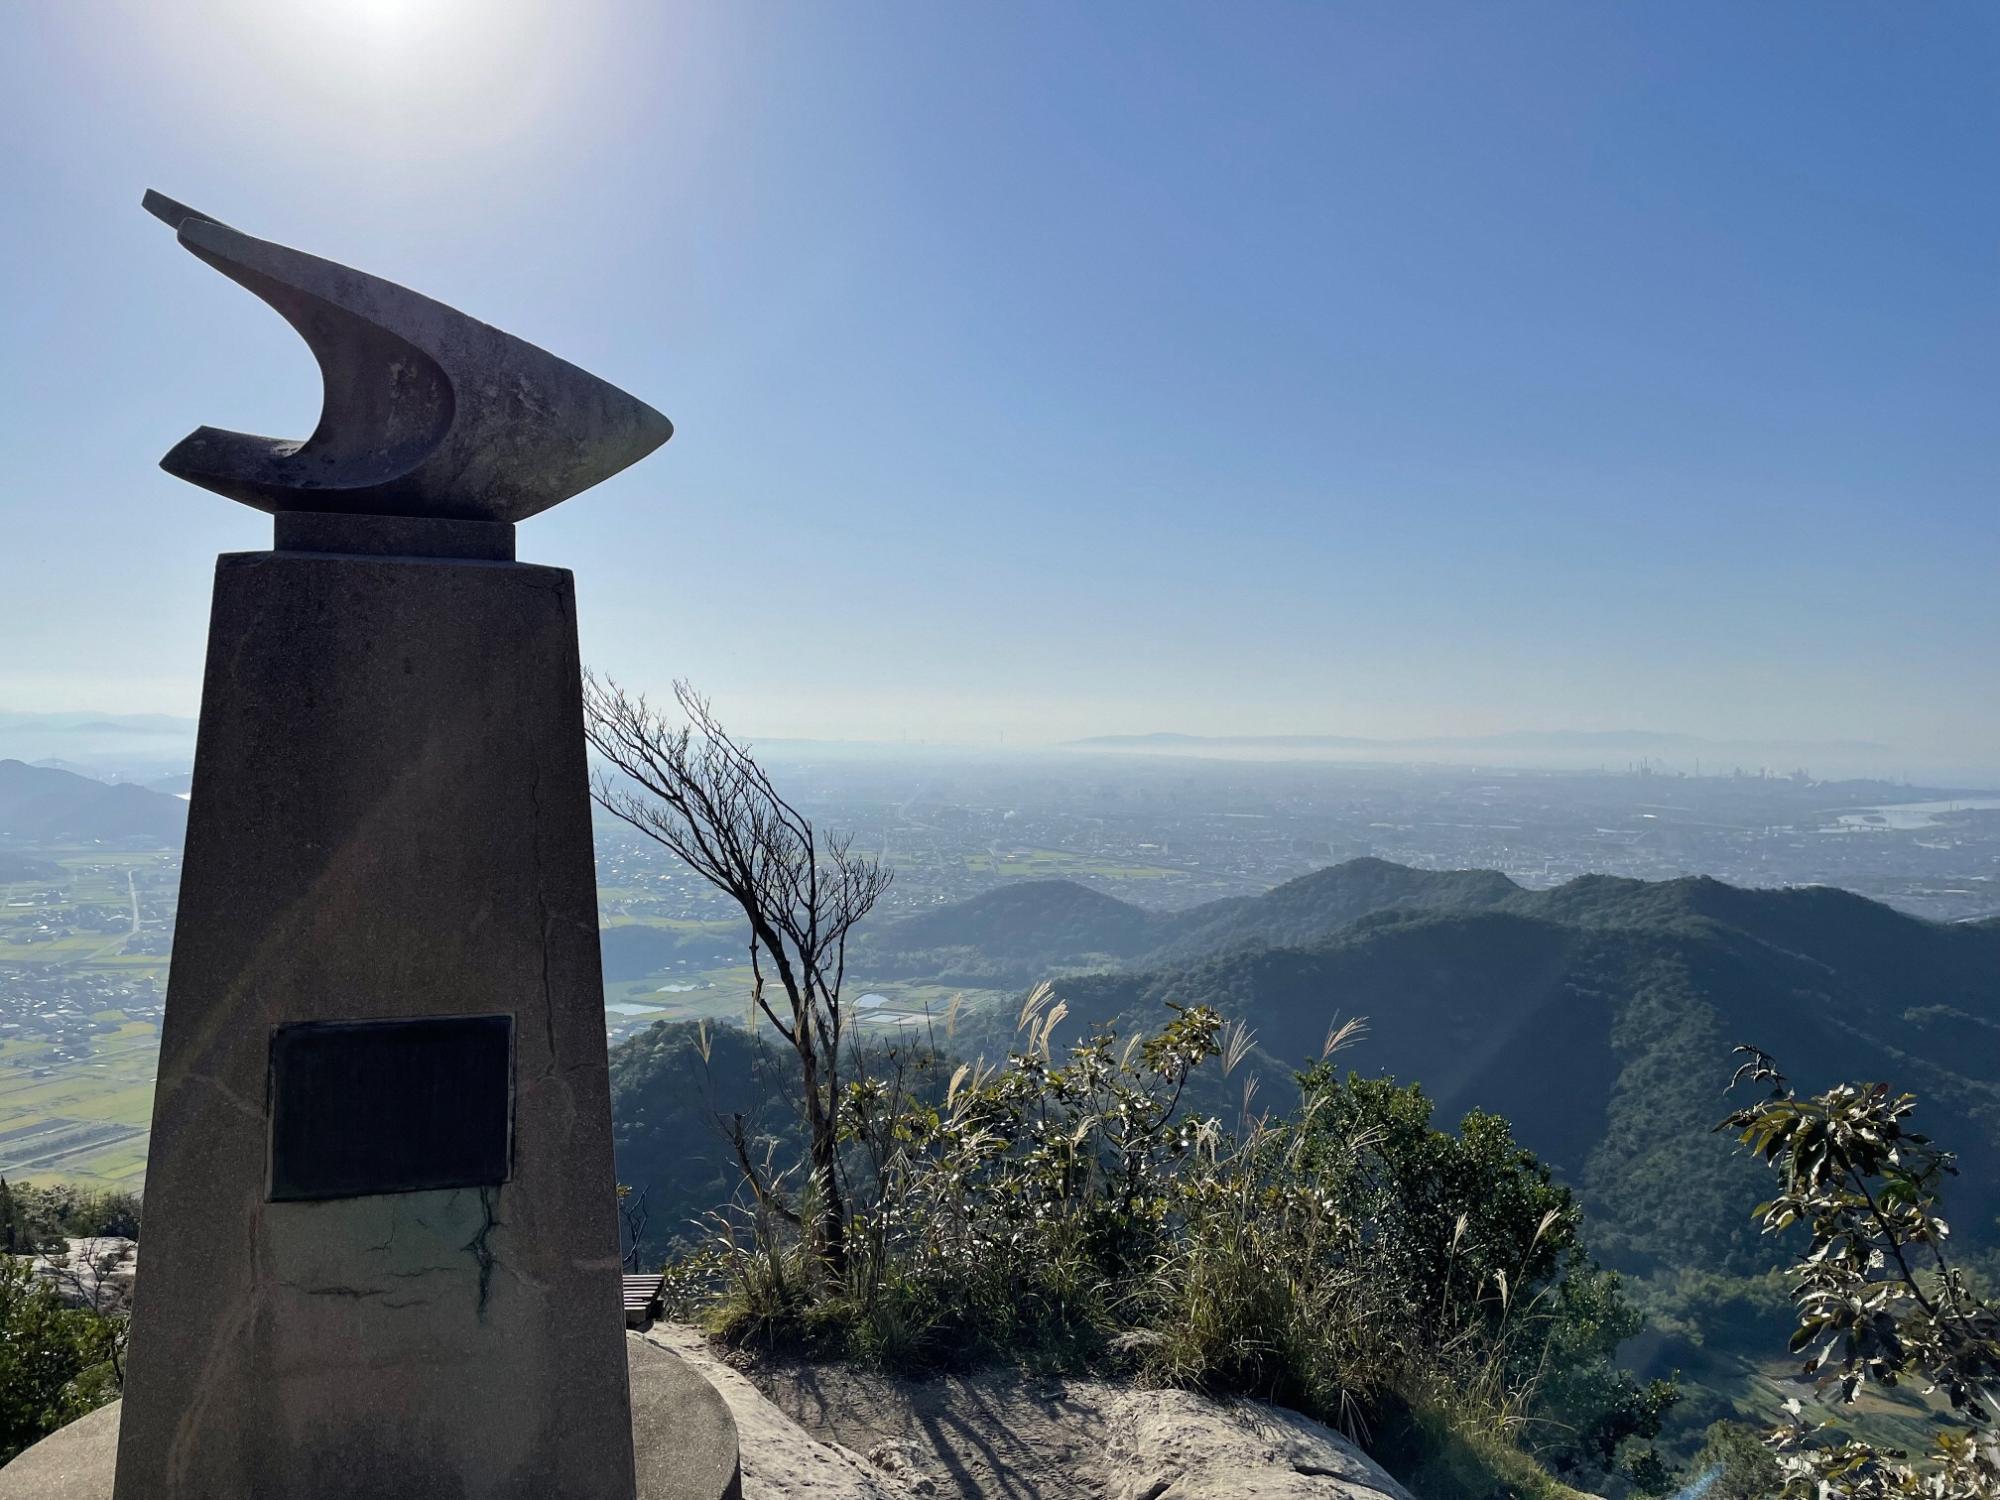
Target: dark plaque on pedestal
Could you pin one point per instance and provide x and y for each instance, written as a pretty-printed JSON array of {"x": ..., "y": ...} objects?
[{"x": 360, "y": 1107}]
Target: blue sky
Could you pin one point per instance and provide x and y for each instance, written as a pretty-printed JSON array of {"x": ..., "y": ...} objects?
[{"x": 1380, "y": 369}]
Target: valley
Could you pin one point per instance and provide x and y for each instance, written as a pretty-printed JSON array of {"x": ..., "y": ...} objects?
[{"x": 1131, "y": 864}]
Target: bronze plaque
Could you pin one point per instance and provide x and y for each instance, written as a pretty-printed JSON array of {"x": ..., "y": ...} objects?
[{"x": 365, "y": 1107}]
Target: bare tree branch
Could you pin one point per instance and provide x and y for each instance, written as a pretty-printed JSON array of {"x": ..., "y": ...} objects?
[{"x": 700, "y": 793}]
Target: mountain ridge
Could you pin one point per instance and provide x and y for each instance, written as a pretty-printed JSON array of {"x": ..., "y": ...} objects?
[
  {"x": 44, "y": 805},
  {"x": 1597, "y": 1015}
]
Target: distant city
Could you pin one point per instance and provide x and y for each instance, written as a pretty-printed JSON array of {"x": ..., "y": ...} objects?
[{"x": 1173, "y": 832}]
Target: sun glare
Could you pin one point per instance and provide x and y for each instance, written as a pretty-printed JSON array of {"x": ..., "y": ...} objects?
[
  {"x": 388, "y": 18},
  {"x": 417, "y": 25},
  {"x": 439, "y": 76}
]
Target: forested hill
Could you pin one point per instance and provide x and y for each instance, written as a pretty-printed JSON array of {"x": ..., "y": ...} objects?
[
  {"x": 1022, "y": 931},
  {"x": 1038, "y": 928},
  {"x": 1597, "y": 1016},
  {"x": 44, "y": 805},
  {"x": 1313, "y": 906}
]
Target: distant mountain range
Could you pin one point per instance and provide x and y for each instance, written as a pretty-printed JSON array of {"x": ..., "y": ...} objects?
[
  {"x": 46, "y": 805},
  {"x": 1567, "y": 742},
  {"x": 89, "y": 722},
  {"x": 1597, "y": 1016},
  {"x": 116, "y": 747}
]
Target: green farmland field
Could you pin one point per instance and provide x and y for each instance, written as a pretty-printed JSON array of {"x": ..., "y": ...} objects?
[
  {"x": 83, "y": 1119},
  {"x": 76, "y": 1076},
  {"x": 76, "y": 1081}
]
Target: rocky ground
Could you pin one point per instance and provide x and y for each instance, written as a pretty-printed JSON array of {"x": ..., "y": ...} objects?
[
  {"x": 96, "y": 1273},
  {"x": 837, "y": 1433}
]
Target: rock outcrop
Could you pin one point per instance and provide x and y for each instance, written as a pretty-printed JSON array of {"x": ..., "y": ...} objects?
[
  {"x": 96, "y": 1272},
  {"x": 780, "y": 1459},
  {"x": 1173, "y": 1445},
  {"x": 834, "y": 1431}
]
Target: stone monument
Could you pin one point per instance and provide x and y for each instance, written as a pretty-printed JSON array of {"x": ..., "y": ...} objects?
[{"x": 380, "y": 1252}]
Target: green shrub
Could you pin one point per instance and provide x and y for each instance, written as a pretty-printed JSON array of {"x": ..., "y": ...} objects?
[
  {"x": 1440, "y": 1457},
  {"x": 41, "y": 1218},
  {"x": 1744, "y": 1466},
  {"x": 1346, "y": 1257},
  {"x": 1878, "y": 1299},
  {"x": 56, "y": 1362},
  {"x": 1739, "y": 1315}
]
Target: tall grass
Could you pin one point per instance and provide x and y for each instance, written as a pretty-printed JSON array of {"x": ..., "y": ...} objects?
[{"x": 1078, "y": 1211}]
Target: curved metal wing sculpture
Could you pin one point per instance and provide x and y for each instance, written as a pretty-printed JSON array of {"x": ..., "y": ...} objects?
[{"x": 427, "y": 412}]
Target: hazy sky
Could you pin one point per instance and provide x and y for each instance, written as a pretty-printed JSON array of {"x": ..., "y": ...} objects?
[{"x": 1378, "y": 369}]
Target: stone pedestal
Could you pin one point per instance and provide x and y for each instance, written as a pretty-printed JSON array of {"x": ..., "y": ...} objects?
[
  {"x": 683, "y": 1433},
  {"x": 381, "y": 1259}
]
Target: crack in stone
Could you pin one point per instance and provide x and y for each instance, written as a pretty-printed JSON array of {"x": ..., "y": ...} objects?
[
  {"x": 482, "y": 1252},
  {"x": 386, "y": 1244},
  {"x": 355, "y": 1293}
]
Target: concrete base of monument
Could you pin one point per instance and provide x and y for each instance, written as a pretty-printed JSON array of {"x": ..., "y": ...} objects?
[{"x": 682, "y": 1435}]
